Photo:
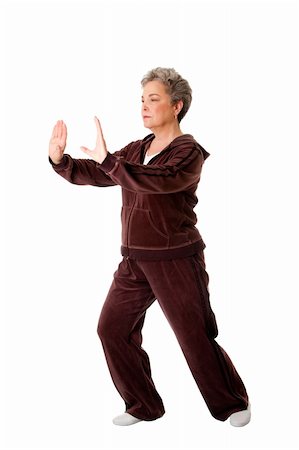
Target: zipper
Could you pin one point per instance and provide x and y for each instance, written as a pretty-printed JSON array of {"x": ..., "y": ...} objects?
[{"x": 127, "y": 257}]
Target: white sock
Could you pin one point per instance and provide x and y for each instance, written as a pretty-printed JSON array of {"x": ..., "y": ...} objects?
[
  {"x": 125, "y": 419},
  {"x": 241, "y": 418}
]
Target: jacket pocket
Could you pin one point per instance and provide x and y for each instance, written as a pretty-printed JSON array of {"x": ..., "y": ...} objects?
[{"x": 143, "y": 232}]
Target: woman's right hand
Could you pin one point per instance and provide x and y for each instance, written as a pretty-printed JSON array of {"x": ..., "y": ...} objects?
[{"x": 57, "y": 142}]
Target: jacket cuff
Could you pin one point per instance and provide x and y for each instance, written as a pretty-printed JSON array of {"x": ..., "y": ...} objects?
[
  {"x": 108, "y": 163},
  {"x": 61, "y": 165}
]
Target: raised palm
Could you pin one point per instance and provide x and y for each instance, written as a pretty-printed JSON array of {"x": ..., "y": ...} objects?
[
  {"x": 57, "y": 142},
  {"x": 100, "y": 151}
]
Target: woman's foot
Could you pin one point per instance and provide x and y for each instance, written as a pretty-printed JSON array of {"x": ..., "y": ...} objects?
[
  {"x": 125, "y": 419},
  {"x": 241, "y": 418}
]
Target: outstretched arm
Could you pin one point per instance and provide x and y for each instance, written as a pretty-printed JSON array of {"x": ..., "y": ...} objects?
[
  {"x": 79, "y": 171},
  {"x": 180, "y": 173}
]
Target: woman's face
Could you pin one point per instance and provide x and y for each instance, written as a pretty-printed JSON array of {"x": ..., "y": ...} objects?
[{"x": 157, "y": 110}]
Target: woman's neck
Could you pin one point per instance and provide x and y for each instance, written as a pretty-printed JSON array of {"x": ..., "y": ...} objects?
[{"x": 163, "y": 134}]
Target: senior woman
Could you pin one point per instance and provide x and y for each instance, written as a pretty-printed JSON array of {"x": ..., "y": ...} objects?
[{"x": 162, "y": 254}]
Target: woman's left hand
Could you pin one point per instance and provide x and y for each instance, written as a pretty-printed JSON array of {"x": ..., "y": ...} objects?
[{"x": 100, "y": 152}]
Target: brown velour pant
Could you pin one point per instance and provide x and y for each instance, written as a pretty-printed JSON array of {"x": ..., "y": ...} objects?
[{"x": 181, "y": 288}]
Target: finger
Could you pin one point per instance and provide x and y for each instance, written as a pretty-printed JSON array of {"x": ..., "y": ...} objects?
[
  {"x": 57, "y": 129},
  {"x": 54, "y": 133},
  {"x": 99, "y": 128},
  {"x": 64, "y": 131},
  {"x": 60, "y": 129}
]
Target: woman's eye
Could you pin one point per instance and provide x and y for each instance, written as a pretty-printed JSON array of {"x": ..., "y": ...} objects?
[{"x": 152, "y": 99}]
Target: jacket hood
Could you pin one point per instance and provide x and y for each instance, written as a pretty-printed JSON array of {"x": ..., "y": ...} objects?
[{"x": 180, "y": 140}]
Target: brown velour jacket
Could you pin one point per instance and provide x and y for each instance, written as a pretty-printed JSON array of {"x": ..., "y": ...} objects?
[{"x": 157, "y": 217}]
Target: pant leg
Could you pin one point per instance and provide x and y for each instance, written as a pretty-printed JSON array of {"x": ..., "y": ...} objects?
[
  {"x": 181, "y": 288},
  {"x": 119, "y": 328}
]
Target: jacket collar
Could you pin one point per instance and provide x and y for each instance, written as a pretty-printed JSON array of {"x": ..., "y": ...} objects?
[{"x": 176, "y": 142}]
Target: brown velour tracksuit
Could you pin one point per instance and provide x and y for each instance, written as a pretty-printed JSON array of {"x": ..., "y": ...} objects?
[{"x": 163, "y": 259}]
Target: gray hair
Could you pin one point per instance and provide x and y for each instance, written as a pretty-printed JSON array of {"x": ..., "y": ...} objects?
[{"x": 177, "y": 87}]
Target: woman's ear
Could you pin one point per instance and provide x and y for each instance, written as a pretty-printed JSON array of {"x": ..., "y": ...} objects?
[{"x": 179, "y": 106}]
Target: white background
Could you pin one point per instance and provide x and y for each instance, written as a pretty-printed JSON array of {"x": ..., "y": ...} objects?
[{"x": 73, "y": 60}]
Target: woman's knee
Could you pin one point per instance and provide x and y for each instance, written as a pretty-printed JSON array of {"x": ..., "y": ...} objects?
[
  {"x": 103, "y": 328},
  {"x": 110, "y": 327}
]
